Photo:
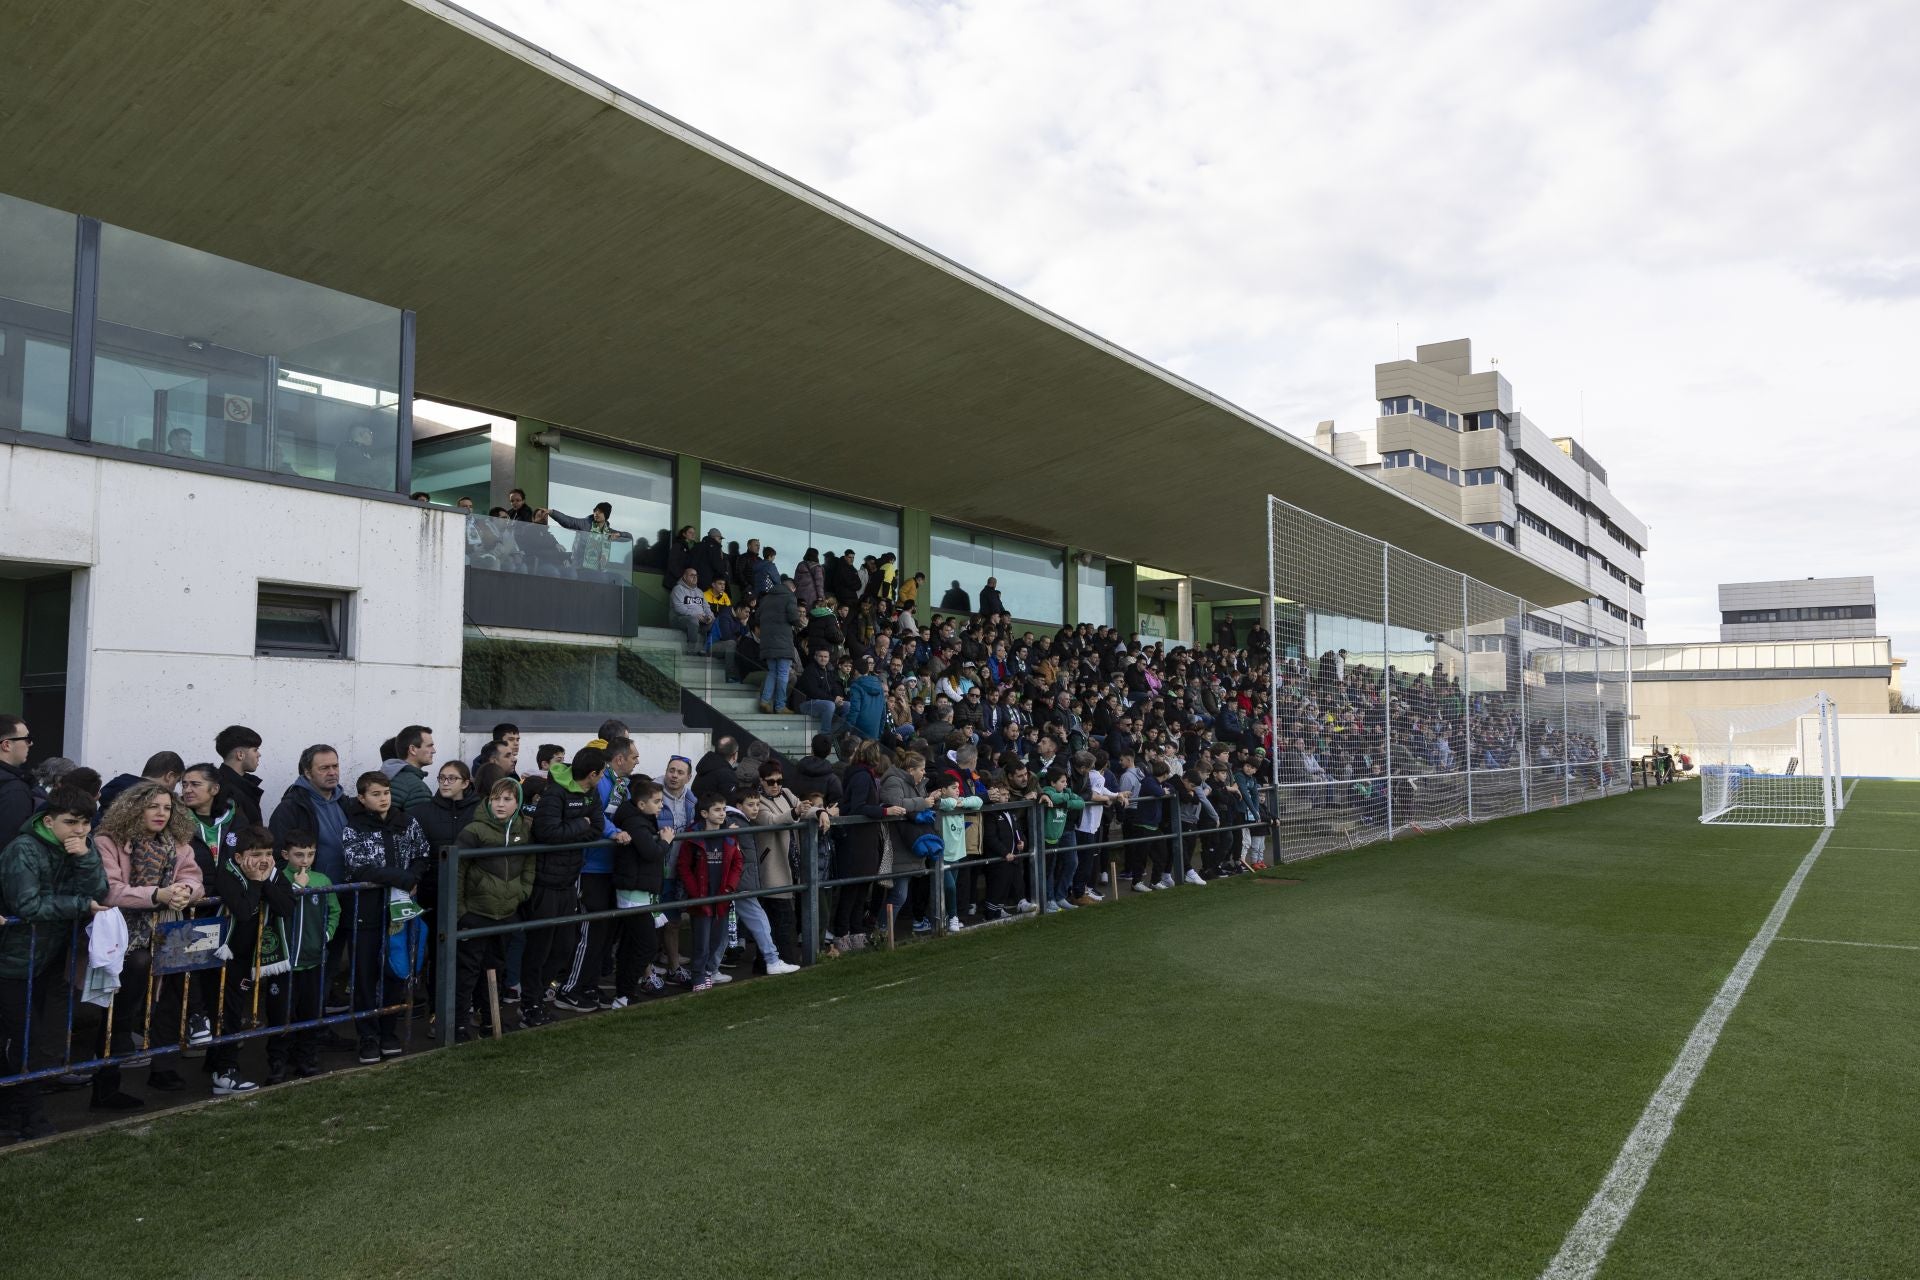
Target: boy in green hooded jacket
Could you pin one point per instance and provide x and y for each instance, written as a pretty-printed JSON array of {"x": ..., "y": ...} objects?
[
  {"x": 50, "y": 877},
  {"x": 492, "y": 887}
]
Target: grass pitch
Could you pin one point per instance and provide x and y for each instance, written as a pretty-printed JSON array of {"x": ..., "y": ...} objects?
[{"x": 1420, "y": 1061}]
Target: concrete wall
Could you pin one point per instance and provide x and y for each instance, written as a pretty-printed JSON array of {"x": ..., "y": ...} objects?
[
  {"x": 1663, "y": 705},
  {"x": 167, "y": 570},
  {"x": 1882, "y": 746}
]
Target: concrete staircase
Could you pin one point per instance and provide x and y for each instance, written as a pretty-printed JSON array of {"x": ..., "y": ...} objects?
[{"x": 706, "y": 679}]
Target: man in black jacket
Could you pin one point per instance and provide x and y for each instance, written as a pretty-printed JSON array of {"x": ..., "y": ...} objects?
[
  {"x": 16, "y": 784},
  {"x": 990, "y": 598},
  {"x": 384, "y": 847},
  {"x": 567, "y": 812},
  {"x": 239, "y": 750},
  {"x": 843, "y": 579},
  {"x": 710, "y": 559}
]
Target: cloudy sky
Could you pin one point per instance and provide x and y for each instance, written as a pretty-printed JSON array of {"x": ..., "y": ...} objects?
[{"x": 1690, "y": 231}]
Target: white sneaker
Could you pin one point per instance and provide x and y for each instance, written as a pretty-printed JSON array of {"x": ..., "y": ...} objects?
[
  {"x": 621, "y": 1002},
  {"x": 1193, "y": 877},
  {"x": 719, "y": 977},
  {"x": 954, "y": 925},
  {"x": 1025, "y": 908},
  {"x": 1049, "y": 909},
  {"x": 1141, "y": 886},
  {"x": 777, "y": 967},
  {"x": 227, "y": 1083},
  {"x": 1164, "y": 882}
]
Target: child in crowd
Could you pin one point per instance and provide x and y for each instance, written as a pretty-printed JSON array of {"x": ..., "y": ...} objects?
[
  {"x": 249, "y": 887},
  {"x": 1058, "y": 830},
  {"x": 638, "y": 876},
  {"x": 709, "y": 867},
  {"x": 491, "y": 891},
  {"x": 1002, "y": 843},
  {"x": 547, "y": 753},
  {"x": 1257, "y": 812},
  {"x": 954, "y": 804},
  {"x": 293, "y": 959},
  {"x": 50, "y": 877}
]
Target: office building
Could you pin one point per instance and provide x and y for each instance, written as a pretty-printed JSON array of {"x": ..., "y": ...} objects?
[
  {"x": 1798, "y": 609},
  {"x": 1450, "y": 438}
]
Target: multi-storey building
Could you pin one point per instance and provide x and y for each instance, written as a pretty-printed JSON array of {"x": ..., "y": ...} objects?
[
  {"x": 1798, "y": 609},
  {"x": 1451, "y": 439}
]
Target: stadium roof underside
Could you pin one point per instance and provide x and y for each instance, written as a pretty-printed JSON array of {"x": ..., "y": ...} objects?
[{"x": 577, "y": 257}]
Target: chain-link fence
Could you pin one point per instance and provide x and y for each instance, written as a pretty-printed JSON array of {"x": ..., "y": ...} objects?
[{"x": 1409, "y": 696}]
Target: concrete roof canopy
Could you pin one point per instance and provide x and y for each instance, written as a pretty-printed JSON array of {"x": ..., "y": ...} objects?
[{"x": 578, "y": 257}]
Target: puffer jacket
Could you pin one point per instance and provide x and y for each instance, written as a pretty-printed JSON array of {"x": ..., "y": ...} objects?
[
  {"x": 809, "y": 583},
  {"x": 897, "y": 789},
  {"x": 49, "y": 888},
  {"x": 494, "y": 886}
]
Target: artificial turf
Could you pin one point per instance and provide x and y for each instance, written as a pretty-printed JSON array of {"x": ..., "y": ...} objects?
[{"x": 1419, "y": 1061}]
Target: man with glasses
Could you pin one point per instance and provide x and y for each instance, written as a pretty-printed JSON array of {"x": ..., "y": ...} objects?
[{"x": 16, "y": 784}]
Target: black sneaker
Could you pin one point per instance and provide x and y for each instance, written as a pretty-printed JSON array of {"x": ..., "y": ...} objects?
[
  {"x": 369, "y": 1050},
  {"x": 390, "y": 1047},
  {"x": 608, "y": 1000},
  {"x": 578, "y": 1003},
  {"x": 166, "y": 1081},
  {"x": 534, "y": 1016},
  {"x": 278, "y": 1073}
]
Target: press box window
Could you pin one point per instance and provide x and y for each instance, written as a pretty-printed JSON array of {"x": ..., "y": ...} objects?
[{"x": 293, "y": 623}]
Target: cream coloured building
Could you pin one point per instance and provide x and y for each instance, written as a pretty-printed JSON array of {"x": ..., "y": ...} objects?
[{"x": 1451, "y": 439}]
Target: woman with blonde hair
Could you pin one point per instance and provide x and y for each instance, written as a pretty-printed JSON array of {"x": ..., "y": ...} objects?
[{"x": 145, "y": 840}]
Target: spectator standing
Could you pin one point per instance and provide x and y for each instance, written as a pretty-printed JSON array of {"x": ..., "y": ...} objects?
[
  {"x": 580, "y": 988},
  {"x": 414, "y": 744},
  {"x": 492, "y": 889},
  {"x": 568, "y": 812},
  {"x": 810, "y": 579},
  {"x": 145, "y": 842},
  {"x": 163, "y": 767},
  {"x": 313, "y": 803},
  {"x": 239, "y": 750},
  {"x": 50, "y": 877},
  {"x": 843, "y": 578},
  {"x": 386, "y": 848},
  {"x": 956, "y": 600},
  {"x": 710, "y": 867},
  {"x": 990, "y": 603},
  {"x": 304, "y": 935},
  {"x": 777, "y": 616},
  {"x": 709, "y": 560},
  {"x": 517, "y": 508}
]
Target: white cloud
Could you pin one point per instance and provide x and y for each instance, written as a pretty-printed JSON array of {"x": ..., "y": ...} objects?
[{"x": 1692, "y": 223}]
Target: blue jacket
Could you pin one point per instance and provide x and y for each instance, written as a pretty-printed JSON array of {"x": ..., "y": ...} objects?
[
  {"x": 600, "y": 861},
  {"x": 866, "y": 701}
]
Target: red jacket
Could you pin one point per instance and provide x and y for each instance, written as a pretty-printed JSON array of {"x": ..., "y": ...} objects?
[{"x": 693, "y": 873}]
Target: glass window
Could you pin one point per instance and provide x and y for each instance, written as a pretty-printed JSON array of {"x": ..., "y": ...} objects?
[
  {"x": 36, "y": 315},
  {"x": 455, "y": 466},
  {"x": 202, "y": 357},
  {"x": 1093, "y": 597},
  {"x": 792, "y": 520},
  {"x": 1030, "y": 577},
  {"x": 295, "y": 622},
  {"x": 581, "y": 475}
]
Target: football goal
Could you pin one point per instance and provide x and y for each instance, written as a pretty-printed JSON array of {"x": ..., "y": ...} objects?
[{"x": 1774, "y": 766}]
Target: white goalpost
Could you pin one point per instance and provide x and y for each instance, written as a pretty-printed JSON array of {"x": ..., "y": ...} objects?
[{"x": 1775, "y": 766}]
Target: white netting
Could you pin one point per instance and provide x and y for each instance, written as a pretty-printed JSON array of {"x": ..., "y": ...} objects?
[
  {"x": 1408, "y": 696},
  {"x": 1773, "y": 765}
]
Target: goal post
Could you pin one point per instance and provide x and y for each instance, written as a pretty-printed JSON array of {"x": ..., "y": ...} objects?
[{"x": 1775, "y": 765}]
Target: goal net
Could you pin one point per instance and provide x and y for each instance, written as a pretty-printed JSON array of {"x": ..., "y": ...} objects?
[{"x": 1776, "y": 765}]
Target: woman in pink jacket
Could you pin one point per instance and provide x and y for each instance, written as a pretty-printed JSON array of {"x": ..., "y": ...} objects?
[
  {"x": 145, "y": 841},
  {"x": 809, "y": 580}
]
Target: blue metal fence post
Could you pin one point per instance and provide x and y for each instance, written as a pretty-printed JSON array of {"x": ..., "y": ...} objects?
[
  {"x": 809, "y": 837},
  {"x": 1037, "y": 854},
  {"x": 449, "y": 913}
]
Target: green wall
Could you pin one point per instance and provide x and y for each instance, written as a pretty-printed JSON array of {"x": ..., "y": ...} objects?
[
  {"x": 13, "y": 626},
  {"x": 529, "y": 462},
  {"x": 916, "y": 555}
]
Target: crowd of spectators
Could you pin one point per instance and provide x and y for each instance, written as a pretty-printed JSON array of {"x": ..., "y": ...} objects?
[{"x": 1147, "y": 765}]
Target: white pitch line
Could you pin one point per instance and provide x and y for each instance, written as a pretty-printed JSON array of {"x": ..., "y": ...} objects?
[
  {"x": 1585, "y": 1247},
  {"x": 1842, "y": 942}
]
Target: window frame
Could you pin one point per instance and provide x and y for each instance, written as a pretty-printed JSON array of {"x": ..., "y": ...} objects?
[{"x": 337, "y": 607}]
